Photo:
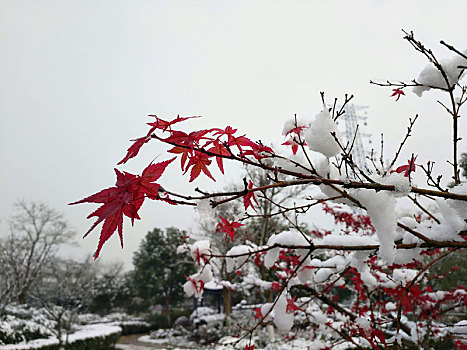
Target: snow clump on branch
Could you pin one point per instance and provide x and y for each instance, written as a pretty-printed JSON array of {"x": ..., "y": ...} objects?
[
  {"x": 431, "y": 77},
  {"x": 318, "y": 137}
]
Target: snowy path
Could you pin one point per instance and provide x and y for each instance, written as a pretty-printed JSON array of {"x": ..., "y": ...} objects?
[{"x": 131, "y": 342}]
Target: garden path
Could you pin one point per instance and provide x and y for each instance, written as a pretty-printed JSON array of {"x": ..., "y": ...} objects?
[{"x": 131, "y": 342}]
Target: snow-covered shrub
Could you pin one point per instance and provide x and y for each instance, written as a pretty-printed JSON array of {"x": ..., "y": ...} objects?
[{"x": 23, "y": 323}]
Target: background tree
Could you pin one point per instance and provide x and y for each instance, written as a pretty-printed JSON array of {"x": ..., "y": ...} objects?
[
  {"x": 7, "y": 285},
  {"x": 62, "y": 291},
  {"x": 159, "y": 271},
  {"x": 257, "y": 230},
  {"x": 36, "y": 232},
  {"x": 221, "y": 245},
  {"x": 112, "y": 290},
  {"x": 463, "y": 164}
]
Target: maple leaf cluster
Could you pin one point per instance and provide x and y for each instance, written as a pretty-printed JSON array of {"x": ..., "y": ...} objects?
[
  {"x": 125, "y": 199},
  {"x": 196, "y": 151}
]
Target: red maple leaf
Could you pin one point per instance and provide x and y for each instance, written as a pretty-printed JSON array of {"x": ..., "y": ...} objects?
[
  {"x": 166, "y": 125},
  {"x": 294, "y": 260},
  {"x": 240, "y": 141},
  {"x": 229, "y": 131},
  {"x": 247, "y": 198},
  {"x": 220, "y": 149},
  {"x": 189, "y": 140},
  {"x": 406, "y": 169},
  {"x": 291, "y": 307},
  {"x": 185, "y": 152},
  {"x": 228, "y": 227},
  {"x": 126, "y": 199},
  {"x": 397, "y": 92},
  {"x": 258, "y": 313},
  {"x": 258, "y": 151},
  {"x": 297, "y": 130},
  {"x": 234, "y": 141},
  {"x": 198, "y": 284},
  {"x": 198, "y": 162},
  {"x": 380, "y": 335},
  {"x": 199, "y": 256},
  {"x": 249, "y": 347},
  {"x": 293, "y": 144},
  {"x": 276, "y": 286},
  {"x": 136, "y": 146}
]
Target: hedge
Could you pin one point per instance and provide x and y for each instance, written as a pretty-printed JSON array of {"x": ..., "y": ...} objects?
[{"x": 91, "y": 337}]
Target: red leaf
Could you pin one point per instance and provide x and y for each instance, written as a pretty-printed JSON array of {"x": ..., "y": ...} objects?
[
  {"x": 154, "y": 171},
  {"x": 380, "y": 335},
  {"x": 190, "y": 140},
  {"x": 185, "y": 152},
  {"x": 397, "y": 92},
  {"x": 406, "y": 169},
  {"x": 134, "y": 148},
  {"x": 291, "y": 307},
  {"x": 297, "y": 130},
  {"x": 229, "y": 131},
  {"x": 258, "y": 151},
  {"x": 240, "y": 141},
  {"x": 103, "y": 196},
  {"x": 131, "y": 211},
  {"x": 197, "y": 283},
  {"x": 166, "y": 125},
  {"x": 293, "y": 144},
  {"x": 228, "y": 227},
  {"x": 126, "y": 199},
  {"x": 220, "y": 149},
  {"x": 111, "y": 224},
  {"x": 276, "y": 286},
  {"x": 247, "y": 198},
  {"x": 199, "y": 162},
  {"x": 232, "y": 141},
  {"x": 258, "y": 313}
]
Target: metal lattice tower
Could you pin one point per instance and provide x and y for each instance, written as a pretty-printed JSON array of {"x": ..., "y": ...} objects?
[{"x": 350, "y": 119}]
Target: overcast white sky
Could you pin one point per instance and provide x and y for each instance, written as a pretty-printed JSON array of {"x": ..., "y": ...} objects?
[{"x": 78, "y": 78}]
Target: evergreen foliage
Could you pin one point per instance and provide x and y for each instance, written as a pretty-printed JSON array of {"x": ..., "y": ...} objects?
[{"x": 159, "y": 271}]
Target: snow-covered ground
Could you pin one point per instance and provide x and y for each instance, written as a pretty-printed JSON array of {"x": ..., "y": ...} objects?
[{"x": 84, "y": 332}]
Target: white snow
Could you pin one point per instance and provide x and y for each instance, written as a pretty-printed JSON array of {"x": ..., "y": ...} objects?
[
  {"x": 237, "y": 262},
  {"x": 391, "y": 306},
  {"x": 401, "y": 184},
  {"x": 431, "y": 77},
  {"x": 318, "y": 137},
  {"x": 323, "y": 274},
  {"x": 380, "y": 207},
  {"x": 291, "y": 237},
  {"x": 291, "y": 124},
  {"x": 282, "y": 319},
  {"x": 363, "y": 323},
  {"x": 84, "y": 332}
]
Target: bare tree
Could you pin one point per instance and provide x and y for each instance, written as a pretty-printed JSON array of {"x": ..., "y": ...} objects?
[
  {"x": 36, "y": 232},
  {"x": 63, "y": 289},
  {"x": 7, "y": 286},
  {"x": 263, "y": 224}
]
